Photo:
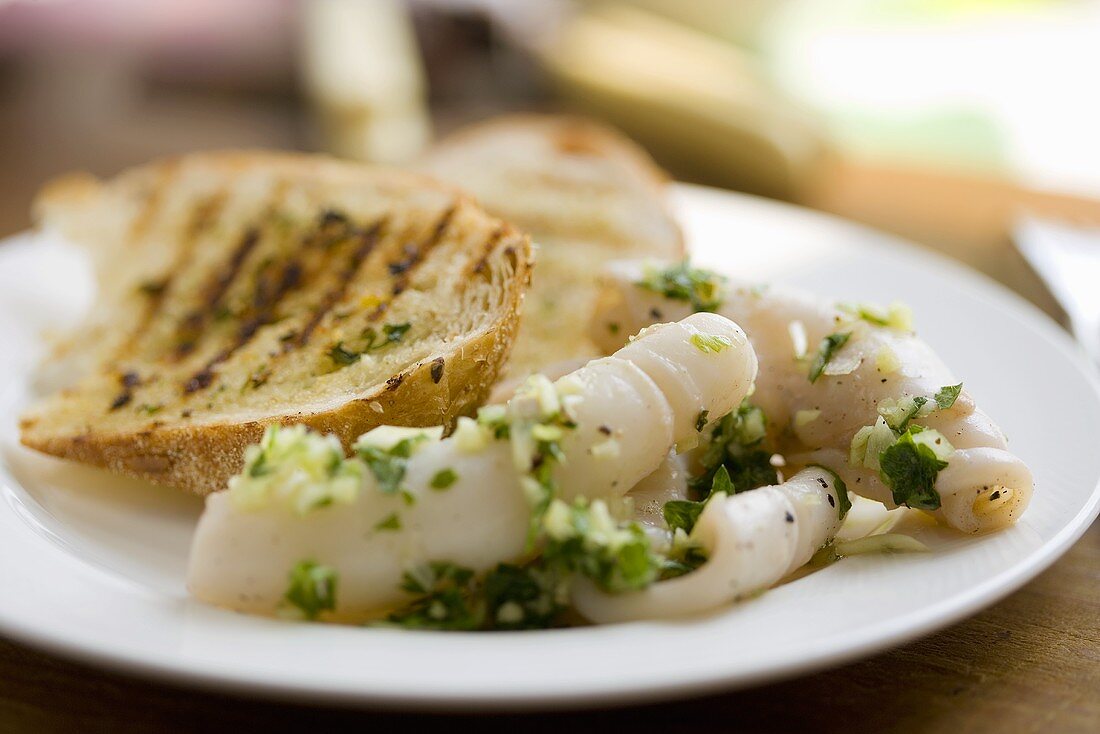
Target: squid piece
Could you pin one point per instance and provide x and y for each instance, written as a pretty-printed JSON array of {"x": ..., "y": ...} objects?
[
  {"x": 752, "y": 540},
  {"x": 462, "y": 499},
  {"x": 984, "y": 487}
]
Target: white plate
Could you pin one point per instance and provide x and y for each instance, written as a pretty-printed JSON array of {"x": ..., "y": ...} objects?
[{"x": 91, "y": 566}]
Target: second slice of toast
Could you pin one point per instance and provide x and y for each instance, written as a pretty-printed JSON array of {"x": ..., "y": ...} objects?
[{"x": 585, "y": 193}]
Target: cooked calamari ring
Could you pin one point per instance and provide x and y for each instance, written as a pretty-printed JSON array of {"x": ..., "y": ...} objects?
[
  {"x": 815, "y": 422},
  {"x": 630, "y": 410},
  {"x": 752, "y": 539}
]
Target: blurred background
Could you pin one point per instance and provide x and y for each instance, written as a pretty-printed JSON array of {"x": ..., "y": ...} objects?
[{"x": 941, "y": 120}]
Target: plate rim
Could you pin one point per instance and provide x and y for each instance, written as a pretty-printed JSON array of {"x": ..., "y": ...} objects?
[{"x": 875, "y": 638}]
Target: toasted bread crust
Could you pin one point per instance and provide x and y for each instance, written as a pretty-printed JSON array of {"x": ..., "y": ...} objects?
[{"x": 451, "y": 366}]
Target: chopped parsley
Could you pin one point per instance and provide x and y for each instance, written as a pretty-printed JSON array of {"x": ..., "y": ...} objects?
[
  {"x": 341, "y": 356},
  {"x": 583, "y": 538},
  {"x": 509, "y": 597},
  {"x": 536, "y": 441},
  {"x": 684, "y": 556},
  {"x": 391, "y": 334},
  {"x": 530, "y": 597},
  {"x": 704, "y": 289},
  {"x": 826, "y": 350},
  {"x": 388, "y": 465},
  {"x": 443, "y": 479},
  {"x": 898, "y": 413},
  {"x": 371, "y": 341},
  {"x": 682, "y": 514},
  {"x": 494, "y": 418},
  {"x": 947, "y": 395},
  {"x": 391, "y": 522},
  {"x": 711, "y": 343},
  {"x": 735, "y": 444},
  {"x": 910, "y": 466},
  {"x": 295, "y": 466},
  {"x": 898, "y": 316},
  {"x": 312, "y": 589},
  {"x": 445, "y": 600},
  {"x": 732, "y": 462}
]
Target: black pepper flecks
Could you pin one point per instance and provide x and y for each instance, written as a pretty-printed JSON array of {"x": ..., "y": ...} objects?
[
  {"x": 437, "y": 369},
  {"x": 789, "y": 517},
  {"x": 123, "y": 398}
]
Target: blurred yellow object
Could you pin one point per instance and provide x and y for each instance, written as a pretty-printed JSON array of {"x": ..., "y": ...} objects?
[
  {"x": 363, "y": 73},
  {"x": 699, "y": 104}
]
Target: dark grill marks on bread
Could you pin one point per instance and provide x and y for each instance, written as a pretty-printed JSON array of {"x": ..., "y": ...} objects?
[
  {"x": 190, "y": 329},
  {"x": 486, "y": 249},
  {"x": 327, "y": 253},
  {"x": 317, "y": 248},
  {"x": 365, "y": 242},
  {"x": 156, "y": 291},
  {"x": 265, "y": 299},
  {"x": 414, "y": 255}
]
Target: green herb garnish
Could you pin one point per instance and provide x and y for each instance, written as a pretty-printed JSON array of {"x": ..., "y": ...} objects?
[
  {"x": 704, "y": 289},
  {"x": 583, "y": 538},
  {"x": 711, "y": 343},
  {"x": 341, "y": 356},
  {"x": 389, "y": 465},
  {"x": 371, "y": 341},
  {"x": 312, "y": 589},
  {"x": 682, "y": 514},
  {"x": 518, "y": 598},
  {"x": 909, "y": 468},
  {"x": 735, "y": 444},
  {"x": 828, "y": 348},
  {"x": 450, "y": 597},
  {"x": 947, "y": 395},
  {"x": 391, "y": 522},
  {"x": 443, "y": 479},
  {"x": 446, "y": 599},
  {"x": 391, "y": 334},
  {"x": 898, "y": 413}
]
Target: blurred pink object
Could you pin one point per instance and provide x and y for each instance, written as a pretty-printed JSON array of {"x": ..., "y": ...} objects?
[{"x": 193, "y": 39}]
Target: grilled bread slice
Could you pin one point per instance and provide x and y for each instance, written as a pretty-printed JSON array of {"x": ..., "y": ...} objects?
[
  {"x": 585, "y": 193},
  {"x": 241, "y": 289}
]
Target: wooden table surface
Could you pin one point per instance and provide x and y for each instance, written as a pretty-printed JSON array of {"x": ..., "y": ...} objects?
[{"x": 1030, "y": 663}]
